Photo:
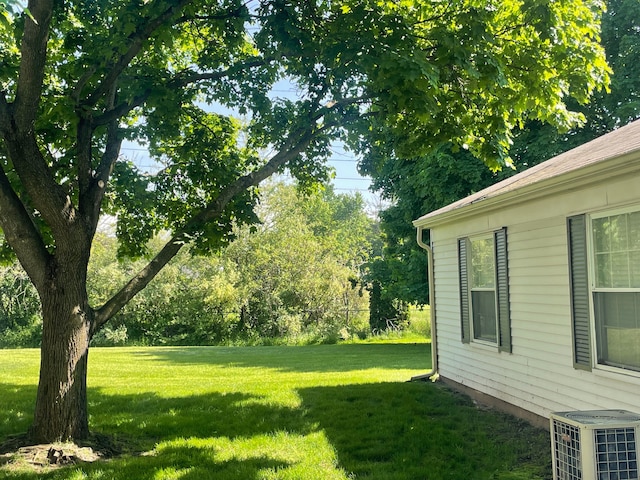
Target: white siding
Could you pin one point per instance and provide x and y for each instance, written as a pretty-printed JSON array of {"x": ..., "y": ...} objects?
[{"x": 538, "y": 375}]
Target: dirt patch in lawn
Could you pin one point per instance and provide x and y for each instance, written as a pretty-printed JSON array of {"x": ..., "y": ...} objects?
[{"x": 17, "y": 453}]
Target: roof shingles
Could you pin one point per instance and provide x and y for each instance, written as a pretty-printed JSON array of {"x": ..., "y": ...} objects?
[{"x": 620, "y": 142}]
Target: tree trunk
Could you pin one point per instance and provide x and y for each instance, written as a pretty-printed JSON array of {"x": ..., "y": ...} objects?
[{"x": 61, "y": 404}]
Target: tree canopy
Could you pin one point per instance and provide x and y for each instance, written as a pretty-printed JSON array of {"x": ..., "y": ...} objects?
[
  {"x": 391, "y": 78},
  {"x": 423, "y": 183}
]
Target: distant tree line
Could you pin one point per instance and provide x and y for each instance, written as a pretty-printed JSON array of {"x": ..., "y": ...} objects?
[{"x": 298, "y": 276}]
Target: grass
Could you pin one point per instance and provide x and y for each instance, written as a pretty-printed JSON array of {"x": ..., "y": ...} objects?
[{"x": 315, "y": 412}]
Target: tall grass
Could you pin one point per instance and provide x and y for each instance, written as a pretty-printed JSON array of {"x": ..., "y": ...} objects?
[
  {"x": 416, "y": 330},
  {"x": 315, "y": 412},
  {"x": 420, "y": 321}
]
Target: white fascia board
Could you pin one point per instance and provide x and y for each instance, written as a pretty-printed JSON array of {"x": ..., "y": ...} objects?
[{"x": 573, "y": 180}]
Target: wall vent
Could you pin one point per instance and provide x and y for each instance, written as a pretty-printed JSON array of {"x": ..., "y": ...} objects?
[{"x": 595, "y": 445}]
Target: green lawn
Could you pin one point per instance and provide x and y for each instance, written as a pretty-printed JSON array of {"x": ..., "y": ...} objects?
[{"x": 315, "y": 412}]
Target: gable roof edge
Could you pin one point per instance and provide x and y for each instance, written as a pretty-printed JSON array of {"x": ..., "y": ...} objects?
[{"x": 616, "y": 153}]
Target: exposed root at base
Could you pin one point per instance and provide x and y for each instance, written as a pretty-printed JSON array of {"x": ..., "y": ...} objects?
[{"x": 17, "y": 453}]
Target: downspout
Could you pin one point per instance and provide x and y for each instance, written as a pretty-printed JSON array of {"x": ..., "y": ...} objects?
[{"x": 433, "y": 373}]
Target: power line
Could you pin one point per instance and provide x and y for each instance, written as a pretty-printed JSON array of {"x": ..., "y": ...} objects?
[
  {"x": 135, "y": 149},
  {"x": 341, "y": 153},
  {"x": 343, "y": 189},
  {"x": 349, "y": 179}
]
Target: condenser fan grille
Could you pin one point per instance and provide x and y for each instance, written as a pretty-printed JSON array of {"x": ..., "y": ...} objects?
[{"x": 616, "y": 453}]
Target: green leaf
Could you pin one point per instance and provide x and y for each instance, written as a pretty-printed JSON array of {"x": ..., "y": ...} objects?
[{"x": 5, "y": 19}]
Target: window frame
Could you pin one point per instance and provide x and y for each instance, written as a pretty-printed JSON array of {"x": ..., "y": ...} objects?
[
  {"x": 594, "y": 289},
  {"x": 475, "y": 338},
  {"x": 501, "y": 290}
]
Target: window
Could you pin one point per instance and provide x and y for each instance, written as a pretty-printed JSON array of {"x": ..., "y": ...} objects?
[
  {"x": 616, "y": 289},
  {"x": 609, "y": 273},
  {"x": 484, "y": 289}
]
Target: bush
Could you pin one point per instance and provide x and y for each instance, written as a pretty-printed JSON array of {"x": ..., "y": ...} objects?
[
  {"x": 20, "y": 313},
  {"x": 108, "y": 337}
]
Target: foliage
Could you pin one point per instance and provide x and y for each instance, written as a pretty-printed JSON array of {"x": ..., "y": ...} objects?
[
  {"x": 419, "y": 321},
  {"x": 79, "y": 77},
  {"x": 424, "y": 73},
  {"x": 385, "y": 312},
  {"x": 251, "y": 291},
  {"x": 607, "y": 110},
  {"x": 318, "y": 412},
  {"x": 20, "y": 320},
  {"x": 425, "y": 183},
  {"x": 192, "y": 302},
  {"x": 299, "y": 269}
]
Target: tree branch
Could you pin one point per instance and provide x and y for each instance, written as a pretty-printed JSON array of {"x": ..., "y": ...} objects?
[
  {"x": 81, "y": 83},
  {"x": 21, "y": 233},
  {"x": 137, "y": 40},
  {"x": 232, "y": 14},
  {"x": 345, "y": 102},
  {"x": 33, "y": 57},
  {"x": 19, "y": 123},
  {"x": 90, "y": 203},
  {"x": 253, "y": 179},
  {"x": 48, "y": 197},
  {"x": 179, "y": 81},
  {"x": 188, "y": 78},
  {"x": 5, "y": 114},
  {"x": 288, "y": 152},
  {"x": 122, "y": 109},
  {"x": 83, "y": 157},
  {"x": 136, "y": 284}
]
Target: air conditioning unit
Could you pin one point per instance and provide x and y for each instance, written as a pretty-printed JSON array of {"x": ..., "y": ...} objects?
[{"x": 595, "y": 445}]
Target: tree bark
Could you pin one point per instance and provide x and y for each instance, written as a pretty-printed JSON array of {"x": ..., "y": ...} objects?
[{"x": 61, "y": 404}]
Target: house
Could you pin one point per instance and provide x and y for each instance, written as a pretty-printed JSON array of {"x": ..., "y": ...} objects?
[{"x": 536, "y": 284}]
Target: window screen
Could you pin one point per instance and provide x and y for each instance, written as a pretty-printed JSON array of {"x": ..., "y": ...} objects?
[{"x": 616, "y": 288}]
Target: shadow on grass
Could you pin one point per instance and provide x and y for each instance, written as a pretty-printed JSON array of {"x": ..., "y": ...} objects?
[
  {"x": 415, "y": 431},
  {"x": 184, "y": 463},
  {"x": 153, "y": 418},
  {"x": 382, "y": 431},
  {"x": 310, "y": 358},
  {"x": 16, "y": 408},
  {"x": 142, "y": 421}
]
